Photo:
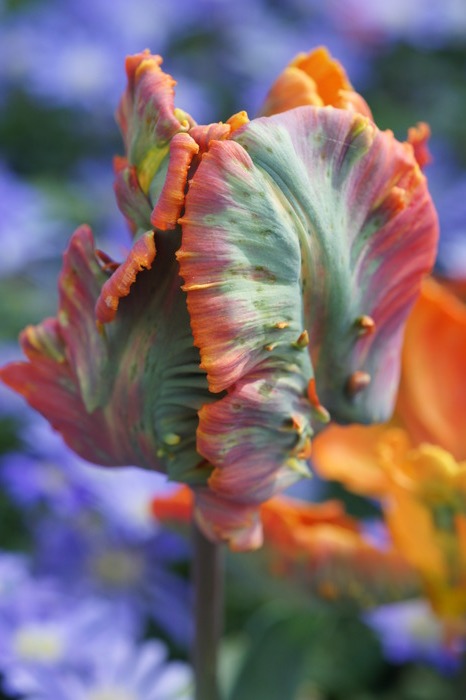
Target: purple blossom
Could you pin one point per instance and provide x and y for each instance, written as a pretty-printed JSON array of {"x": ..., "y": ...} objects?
[
  {"x": 55, "y": 644},
  {"x": 70, "y": 53},
  {"x": 94, "y": 533},
  {"x": 25, "y": 216},
  {"x": 409, "y": 631},
  {"x": 125, "y": 671},
  {"x": 48, "y": 473},
  {"x": 42, "y": 628},
  {"x": 420, "y": 22},
  {"x": 90, "y": 560},
  {"x": 448, "y": 186},
  {"x": 14, "y": 571}
]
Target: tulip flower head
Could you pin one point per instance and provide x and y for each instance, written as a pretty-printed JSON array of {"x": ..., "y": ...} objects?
[{"x": 273, "y": 265}]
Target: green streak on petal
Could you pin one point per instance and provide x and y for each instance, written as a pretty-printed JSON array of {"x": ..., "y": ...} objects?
[
  {"x": 367, "y": 230},
  {"x": 128, "y": 392},
  {"x": 150, "y": 164}
]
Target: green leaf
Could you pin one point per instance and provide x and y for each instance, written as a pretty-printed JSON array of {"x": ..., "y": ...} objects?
[
  {"x": 273, "y": 667},
  {"x": 347, "y": 656}
]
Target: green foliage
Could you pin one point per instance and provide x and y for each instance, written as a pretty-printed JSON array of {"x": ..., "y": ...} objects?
[
  {"x": 39, "y": 139},
  {"x": 274, "y": 664},
  {"x": 422, "y": 85},
  {"x": 295, "y": 650}
]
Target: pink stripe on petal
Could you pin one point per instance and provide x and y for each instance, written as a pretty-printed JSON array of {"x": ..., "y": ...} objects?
[
  {"x": 220, "y": 520},
  {"x": 304, "y": 236},
  {"x": 149, "y": 93},
  {"x": 122, "y": 394}
]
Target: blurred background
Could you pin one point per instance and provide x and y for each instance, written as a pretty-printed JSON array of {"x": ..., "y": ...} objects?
[{"x": 79, "y": 551}]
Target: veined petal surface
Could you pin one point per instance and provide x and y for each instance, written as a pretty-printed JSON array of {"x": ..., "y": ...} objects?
[
  {"x": 127, "y": 392},
  {"x": 319, "y": 202},
  {"x": 148, "y": 121},
  {"x": 305, "y": 238}
]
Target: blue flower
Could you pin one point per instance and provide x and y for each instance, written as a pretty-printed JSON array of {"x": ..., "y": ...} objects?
[
  {"x": 94, "y": 532},
  {"x": 91, "y": 559},
  {"x": 48, "y": 473},
  {"x": 44, "y": 628},
  {"x": 123, "y": 671},
  {"x": 409, "y": 631},
  {"x": 55, "y": 644},
  {"x": 25, "y": 218},
  {"x": 448, "y": 185}
]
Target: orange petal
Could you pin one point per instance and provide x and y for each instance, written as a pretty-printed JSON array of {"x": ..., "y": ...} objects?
[
  {"x": 170, "y": 203},
  {"x": 313, "y": 79},
  {"x": 351, "y": 455},
  {"x": 432, "y": 396},
  {"x": 176, "y": 506},
  {"x": 418, "y": 137},
  {"x": 293, "y": 88}
]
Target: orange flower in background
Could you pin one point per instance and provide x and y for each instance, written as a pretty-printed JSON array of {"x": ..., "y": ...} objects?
[
  {"x": 431, "y": 403},
  {"x": 320, "y": 546},
  {"x": 415, "y": 463},
  {"x": 432, "y": 396}
]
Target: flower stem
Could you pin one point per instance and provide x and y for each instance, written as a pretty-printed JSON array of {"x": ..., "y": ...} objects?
[{"x": 208, "y": 614}]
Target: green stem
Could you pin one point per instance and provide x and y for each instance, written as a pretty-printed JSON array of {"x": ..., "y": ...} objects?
[{"x": 208, "y": 614}]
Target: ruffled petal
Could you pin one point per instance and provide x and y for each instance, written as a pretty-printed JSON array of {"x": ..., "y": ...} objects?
[
  {"x": 221, "y": 520},
  {"x": 119, "y": 284},
  {"x": 365, "y": 218},
  {"x": 418, "y": 137},
  {"x": 126, "y": 393},
  {"x": 168, "y": 208},
  {"x": 309, "y": 191},
  {"x": 246, "y": 316},
  {"x": 146, "y": 113},
  {"x": 306, "y": 235}
]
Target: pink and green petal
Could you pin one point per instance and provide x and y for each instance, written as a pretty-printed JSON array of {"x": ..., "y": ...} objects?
[
  {"x": 127, "y": 392},
  {"x": 305, "y": 238},
  {"x": 133, "y": 203},
  {"x": 221, "y": 520},
  {"x": 242, "y": 274},
  {"x": 357, "y": 204},
  {"x": 147, "y": 117},
  {"x": 267, "y": 449},
  {"x": 50, "y": 386}
]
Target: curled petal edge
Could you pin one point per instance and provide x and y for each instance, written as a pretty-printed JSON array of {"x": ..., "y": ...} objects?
[{"x": 119, "y": 284}]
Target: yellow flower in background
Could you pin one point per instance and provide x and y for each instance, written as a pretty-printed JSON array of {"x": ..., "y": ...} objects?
[{"x": 425, "y": 510}]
